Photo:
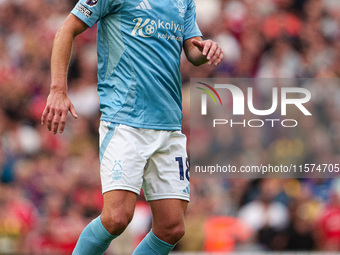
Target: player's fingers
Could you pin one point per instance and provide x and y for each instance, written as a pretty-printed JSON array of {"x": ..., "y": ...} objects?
[
  {"x": 215, "y": 55},
  {"x": 73, "y": 111},
  {"x": 63, "y": 121},
  {"x": 212, "y": 51},
  {"x": 49, "y": 119},
  {"x": 55, "y": 121},
  {"x": 219, "y": 60},
  {"x": 207, "y": 45},
  {"x": 44, "y": 115}
]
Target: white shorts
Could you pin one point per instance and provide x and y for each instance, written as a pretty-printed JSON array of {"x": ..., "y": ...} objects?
[{"x": 156, "y": 160}]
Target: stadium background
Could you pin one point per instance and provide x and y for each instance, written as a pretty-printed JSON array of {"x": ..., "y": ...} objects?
[{"x": 50, "y": 186}]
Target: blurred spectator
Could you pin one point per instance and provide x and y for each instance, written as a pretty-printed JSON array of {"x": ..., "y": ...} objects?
[
  {"x": 17, "y": 218},
  {"x": 266, "y": 216},
  {"x": 222, "y": 233},
  {"x": 329, "y": 224}
]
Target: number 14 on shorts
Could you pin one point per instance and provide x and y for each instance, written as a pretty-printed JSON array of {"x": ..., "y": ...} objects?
[{"x": 181, "y": 168}]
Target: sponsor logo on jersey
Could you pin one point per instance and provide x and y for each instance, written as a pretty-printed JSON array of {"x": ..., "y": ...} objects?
[
  {"x": 148, "y": 28},
  {"x": 145, "y": 29},
  {"x": 144, "y": 5},
  {"x": 91, "y": 3},
  {"x": 84, "y": 10}
]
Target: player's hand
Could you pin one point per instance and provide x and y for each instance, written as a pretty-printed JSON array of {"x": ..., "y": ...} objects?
[
  {"x": 210, "y": 49},
  {"x": 56, "y": 110}
]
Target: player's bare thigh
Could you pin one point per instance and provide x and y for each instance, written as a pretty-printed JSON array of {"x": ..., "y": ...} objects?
[
  {"x": 118, "y": 209},
  {"x": 168, "y": 219}
]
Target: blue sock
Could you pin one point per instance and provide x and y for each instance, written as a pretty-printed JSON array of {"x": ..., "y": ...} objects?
[
  {"x": 152, "y": 245},
  {"x": 94, "y": 239}
]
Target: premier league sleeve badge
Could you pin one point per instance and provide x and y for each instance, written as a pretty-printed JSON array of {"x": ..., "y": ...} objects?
[{"x": 91, "y": 3}]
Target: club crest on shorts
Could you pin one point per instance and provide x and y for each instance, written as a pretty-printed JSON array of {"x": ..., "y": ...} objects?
[
  {"x": 117, "y": 170},
  {"x": 91, "y": 3}
]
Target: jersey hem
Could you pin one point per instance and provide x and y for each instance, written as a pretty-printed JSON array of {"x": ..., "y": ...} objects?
[
  {"x": 191, "y": 36},
  {"x": 146, "y": 126}
]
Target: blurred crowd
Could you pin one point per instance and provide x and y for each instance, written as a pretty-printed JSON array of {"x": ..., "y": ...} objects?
[{"x": 50, "y": 186}]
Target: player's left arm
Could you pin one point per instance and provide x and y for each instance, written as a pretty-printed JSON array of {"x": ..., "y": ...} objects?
[{"x": 200, "y": 51}]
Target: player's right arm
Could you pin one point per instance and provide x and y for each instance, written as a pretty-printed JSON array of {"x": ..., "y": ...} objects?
[{"x": 58, "y": 103}]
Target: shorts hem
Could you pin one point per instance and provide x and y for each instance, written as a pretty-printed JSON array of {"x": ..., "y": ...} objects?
[
  {"x": 167, "y": 196},
  {"x": 121, "y": 187}
]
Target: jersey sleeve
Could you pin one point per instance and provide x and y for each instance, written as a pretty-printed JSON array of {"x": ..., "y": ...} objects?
[
  {"x": 90, "y": 11},
  {"x": 190, "y": 26}
]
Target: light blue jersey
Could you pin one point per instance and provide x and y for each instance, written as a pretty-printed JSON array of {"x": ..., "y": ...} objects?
[{"x": 139, "y": 43}]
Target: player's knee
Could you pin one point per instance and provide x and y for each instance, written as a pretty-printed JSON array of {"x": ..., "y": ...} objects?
[
  {"x": 116, "y": 222},
  {"x": 115, "y": 225},
  {"x": 177, "y": 232},
  {"x": 171, "y": 232}
]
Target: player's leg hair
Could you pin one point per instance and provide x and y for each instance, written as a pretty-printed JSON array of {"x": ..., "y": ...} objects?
[
  {"x": 167, "y": 227},
  {"x": 117, "y": 213}
]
